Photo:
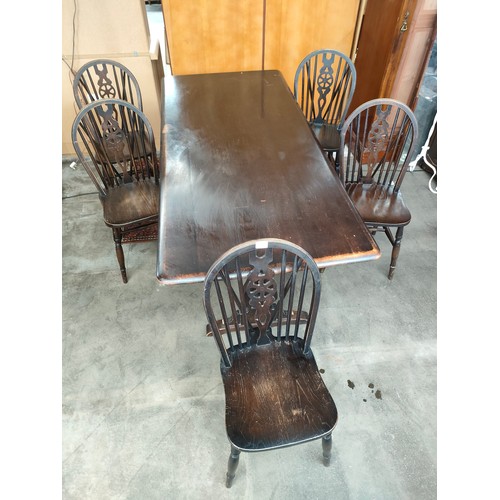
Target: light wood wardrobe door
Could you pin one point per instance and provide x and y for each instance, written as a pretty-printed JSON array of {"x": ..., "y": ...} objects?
[
  {"x": 297, "y": 27},
  {"x": 210, "y": 36}
]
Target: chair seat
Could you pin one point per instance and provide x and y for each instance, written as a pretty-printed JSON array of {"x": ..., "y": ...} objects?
[
  {"x": 379, "y": 205},
  {"x": 131, "y": 203},
  {"x": 264, "y": 411},
  {"x": 328, "y": 136}
]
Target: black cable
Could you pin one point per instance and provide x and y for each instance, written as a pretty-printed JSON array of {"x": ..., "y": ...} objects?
[
  {"x": 73, "y": 72},
  {"x": 74, "y": 36}
]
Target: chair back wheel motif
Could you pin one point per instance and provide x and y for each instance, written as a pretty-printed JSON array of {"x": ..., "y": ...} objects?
[
  {"x": 377, "y": 143},
  {"x": 261, "y": 299},
  {"x": 324, "y": 84},
  {"x": 105, "y": 79},
  {"x": 115, "y": 144}
]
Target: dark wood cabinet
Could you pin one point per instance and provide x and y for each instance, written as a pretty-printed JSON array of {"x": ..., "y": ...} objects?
[{"x": 393, "y": 48}]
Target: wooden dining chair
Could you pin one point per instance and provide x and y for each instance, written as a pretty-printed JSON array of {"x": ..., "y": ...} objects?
[
  {"x": 377, "y": 143},
  {"x": 261, "y": 299},
  {"x": 115, "y": 144},
  {"x": 323, "y": 87},
  {"x": 106, "y": 79}
]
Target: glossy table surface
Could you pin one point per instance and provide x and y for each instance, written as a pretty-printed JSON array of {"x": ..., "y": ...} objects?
[{"x": 238, "y": 161}]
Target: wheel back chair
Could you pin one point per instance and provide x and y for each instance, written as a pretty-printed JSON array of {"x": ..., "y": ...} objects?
[
  {"x": 323, "y": 87},
  {"x": 105, "y": 79},
  {"x": 377, "y": 141},
  {"x": 261, "y": 299},
  {"x": 114, "y": 142}
]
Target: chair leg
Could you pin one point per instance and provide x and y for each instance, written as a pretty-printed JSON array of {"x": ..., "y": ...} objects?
[
  {"x": 232, "y": 465},
  {"x": 327, "y": 449},
  {"x": 117, "y": 236},
  {"x": 335, "y": 162},
  {"x": 395, "y": 250}
]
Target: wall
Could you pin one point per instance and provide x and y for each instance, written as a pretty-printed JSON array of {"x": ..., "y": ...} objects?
[{"x": 109, "y": 29}]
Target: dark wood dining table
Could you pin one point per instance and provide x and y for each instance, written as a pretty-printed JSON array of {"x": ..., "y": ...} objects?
[{"x": 238, "y": 161}]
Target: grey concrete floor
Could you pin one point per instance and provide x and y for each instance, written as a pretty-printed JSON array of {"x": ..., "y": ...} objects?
[{"x": 143, "y": 403}]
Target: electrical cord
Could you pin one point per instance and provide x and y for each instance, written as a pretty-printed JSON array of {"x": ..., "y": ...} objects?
[
  {"x": 72, "y": 71},
  {"x": 79, "y": 194},
  {"x": 423, "y": 155}
]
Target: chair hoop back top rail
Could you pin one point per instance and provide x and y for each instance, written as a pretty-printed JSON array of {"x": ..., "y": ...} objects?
[
  {"x": 261, "y": 299},
  {"x": 323, "y": 87},
  {"x": 115, "y": 144},
  {"x": 264, "y": 289},
  {"x": 106, "y": 79},
  {"x": 377, "y": 144},
  {"x": 378, "y": 140}
]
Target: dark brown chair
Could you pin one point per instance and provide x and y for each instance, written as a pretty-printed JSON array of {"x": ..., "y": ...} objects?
[
  {"x": 114, "y": 142},
  {"x": 377, "y": 141},
  {"x": 323, "y": 86},
  {"x": 105, "y": 79},
  {"x": 261, "y": 299}
]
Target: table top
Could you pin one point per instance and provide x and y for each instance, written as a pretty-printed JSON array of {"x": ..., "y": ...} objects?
[{"x": 238, "y": 161}]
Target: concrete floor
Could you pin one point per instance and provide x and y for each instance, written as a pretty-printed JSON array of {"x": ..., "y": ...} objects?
[{"x": 143, "y": 403}]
